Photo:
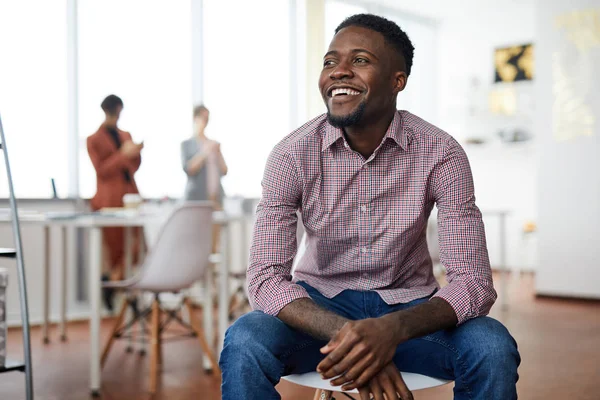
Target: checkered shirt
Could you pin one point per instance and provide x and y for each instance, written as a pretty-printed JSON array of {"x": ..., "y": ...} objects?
[{"x": 366, "y": 219}]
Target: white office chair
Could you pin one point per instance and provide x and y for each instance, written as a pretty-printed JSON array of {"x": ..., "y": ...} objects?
[
  {"x": 178, "y": 258},
  {"x": 325, "y": 390}
]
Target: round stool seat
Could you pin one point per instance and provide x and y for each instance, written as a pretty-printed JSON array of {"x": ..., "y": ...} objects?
[{"x": 413, "y": 381}]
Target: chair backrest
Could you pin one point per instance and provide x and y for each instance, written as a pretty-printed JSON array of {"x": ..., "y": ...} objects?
[{"x": 179, "y": 257}]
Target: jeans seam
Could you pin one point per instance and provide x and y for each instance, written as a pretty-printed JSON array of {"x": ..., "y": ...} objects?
[{"x": 458, "y": 358}]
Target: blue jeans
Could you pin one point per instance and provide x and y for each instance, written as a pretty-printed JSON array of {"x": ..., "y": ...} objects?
[{"x": 480, "y": 356}]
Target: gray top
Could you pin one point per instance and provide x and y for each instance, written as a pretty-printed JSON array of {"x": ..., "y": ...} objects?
[{"x": 196, "y": 188}]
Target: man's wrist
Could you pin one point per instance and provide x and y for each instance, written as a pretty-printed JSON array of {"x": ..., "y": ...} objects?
[{"x": 398, "y": 326}]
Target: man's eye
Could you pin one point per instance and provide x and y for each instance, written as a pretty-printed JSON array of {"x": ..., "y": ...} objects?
[
  {"x": 361, "y": 60},
  {"x": 328, "y": 63}
]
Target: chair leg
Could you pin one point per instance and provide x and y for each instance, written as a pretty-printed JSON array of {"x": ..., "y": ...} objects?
[
  {"x": 154, "y": 345},
  {"x": 323, "y": 394},
  {"x": 111, "y": 338},
  {"x": 199, "y": 332},
  {"x": 160, "y": 342}
]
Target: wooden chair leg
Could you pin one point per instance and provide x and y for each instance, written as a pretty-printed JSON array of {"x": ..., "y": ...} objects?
[
  {"x": 111, "y": 338},
  {"x": 200, "y": 333},
  {"x": 160, "y": 343},
  {"x": 154, "y": 345},
  {"x": 323, "y": 394}
]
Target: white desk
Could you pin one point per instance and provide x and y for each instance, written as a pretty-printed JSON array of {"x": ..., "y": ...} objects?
[{"x": 94, "y": 225}]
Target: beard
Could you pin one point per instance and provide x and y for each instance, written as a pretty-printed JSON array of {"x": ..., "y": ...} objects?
[{"x": 342, "y": 121}]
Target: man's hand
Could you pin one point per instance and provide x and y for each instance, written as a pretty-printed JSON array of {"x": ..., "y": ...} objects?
[
  {"x": 357, "y": 352},
  {"x": 389, "y": 382}
]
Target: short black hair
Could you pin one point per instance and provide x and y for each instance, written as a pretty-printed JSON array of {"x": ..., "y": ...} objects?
[
  {"x": 111, "y": 103},
  {"x": 391, "y": 32}
]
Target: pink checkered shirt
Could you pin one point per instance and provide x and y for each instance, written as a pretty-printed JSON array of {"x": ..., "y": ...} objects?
[{"x": 366, "y": 220}]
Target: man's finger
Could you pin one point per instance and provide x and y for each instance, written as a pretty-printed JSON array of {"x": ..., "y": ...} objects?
[
  {"x": 356, "y": 369},
  {"x": 400, "y": 385},
  {"x": 388, "y": 386},
  {"x": 336, "y": 355},
  {"x": 333, "y": 343},
  {"x": 350, "y": 363},
  {"x": 376, "y": 389},
  {"x": 364, "y": 393},
  {"x": 363, "y": 379}
]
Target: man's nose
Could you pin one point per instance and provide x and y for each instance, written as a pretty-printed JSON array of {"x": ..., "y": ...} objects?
[{"x": 341, "y": 71}]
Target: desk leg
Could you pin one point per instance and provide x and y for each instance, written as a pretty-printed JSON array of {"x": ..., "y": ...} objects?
[
  {"x": 207, "y": 313},
  {"x": 95, "y": 289},
  {"x": 128, "y": 266},
  {"x": 46, "y": 285},
  {"x": 64, "y": 286},
  {"x": 223, "y": 287}
]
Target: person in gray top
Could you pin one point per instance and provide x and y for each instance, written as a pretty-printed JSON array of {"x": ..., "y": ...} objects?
[{"x": 203, "y": 163}]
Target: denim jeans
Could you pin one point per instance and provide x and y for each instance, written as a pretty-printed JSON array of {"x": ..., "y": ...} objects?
[{"x": 480, "y": 355}]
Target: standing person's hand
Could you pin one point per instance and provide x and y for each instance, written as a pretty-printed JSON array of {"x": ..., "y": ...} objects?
[
  {"x": 212, "y": 147},
  {"x": 130, "y": 149}
]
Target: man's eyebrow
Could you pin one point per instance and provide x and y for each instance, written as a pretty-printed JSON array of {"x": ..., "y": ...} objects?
[{"x": 354, "y": 51}]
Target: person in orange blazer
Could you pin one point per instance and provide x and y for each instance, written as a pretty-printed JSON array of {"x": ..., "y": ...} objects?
[{"x": 116, "y": 158}]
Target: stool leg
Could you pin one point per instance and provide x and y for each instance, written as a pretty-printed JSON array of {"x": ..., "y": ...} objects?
[{"x": 323, "y": 394}]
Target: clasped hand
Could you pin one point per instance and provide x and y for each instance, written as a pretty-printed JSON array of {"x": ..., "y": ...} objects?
[{"x": 360, "y": 356}]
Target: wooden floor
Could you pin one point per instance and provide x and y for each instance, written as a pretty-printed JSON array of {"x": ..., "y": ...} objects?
[{"x": 559, "y": 342}]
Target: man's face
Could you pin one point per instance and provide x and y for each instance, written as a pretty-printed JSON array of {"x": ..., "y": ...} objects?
[{"x": 361, "y": 77}]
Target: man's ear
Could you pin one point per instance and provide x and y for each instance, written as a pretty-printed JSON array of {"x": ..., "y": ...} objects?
[{"x": 400, "y": 79}]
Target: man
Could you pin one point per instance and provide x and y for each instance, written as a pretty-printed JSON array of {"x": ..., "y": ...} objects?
[
  {"x": 364, "y": 302},
  {"x": 116, "y": 158}
]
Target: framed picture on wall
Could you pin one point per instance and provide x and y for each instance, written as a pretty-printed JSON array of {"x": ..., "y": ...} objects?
[{"x": 514, "y": 63}]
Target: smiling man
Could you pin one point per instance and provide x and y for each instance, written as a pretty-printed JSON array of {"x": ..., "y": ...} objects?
[{"x": 363, "y": 302}]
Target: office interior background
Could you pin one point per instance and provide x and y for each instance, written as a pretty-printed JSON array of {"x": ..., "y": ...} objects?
[{"x": 513, "y": 81}]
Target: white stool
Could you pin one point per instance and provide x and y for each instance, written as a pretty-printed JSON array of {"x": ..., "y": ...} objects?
[{"x": 325, "y": 389}]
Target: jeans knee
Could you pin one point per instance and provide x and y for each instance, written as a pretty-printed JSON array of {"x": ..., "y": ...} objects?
[
  {"x": 251, "y": 333},
  {"x": 494, "y": 348}
]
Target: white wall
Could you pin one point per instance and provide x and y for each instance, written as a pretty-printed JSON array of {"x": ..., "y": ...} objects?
[
  {"x": 569, "y": 174},
  {"x": 505, "y": 175}
]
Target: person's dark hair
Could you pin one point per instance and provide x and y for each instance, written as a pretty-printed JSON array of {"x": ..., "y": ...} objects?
[
  {"x": 111, "y": 103},
  {"x": 198, "y": 110},
  {"x": 391, "y": 32}
]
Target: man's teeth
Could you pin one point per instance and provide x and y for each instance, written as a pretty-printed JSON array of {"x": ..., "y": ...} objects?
[{"x": 347, "y": 91}]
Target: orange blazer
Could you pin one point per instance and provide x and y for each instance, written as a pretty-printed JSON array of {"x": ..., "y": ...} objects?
[{"x": 109, "y": 164}]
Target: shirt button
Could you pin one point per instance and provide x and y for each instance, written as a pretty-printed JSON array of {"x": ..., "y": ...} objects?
[
  {"x": 365, "y": 275},
  {"x": 363, "y": 250},
  {"x": 363, "y": 208}
]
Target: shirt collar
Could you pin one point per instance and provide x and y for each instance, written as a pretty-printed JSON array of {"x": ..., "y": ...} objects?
[{"x": 395, "y": 131}]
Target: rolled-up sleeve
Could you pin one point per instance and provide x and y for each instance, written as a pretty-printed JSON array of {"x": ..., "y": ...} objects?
[
  {"x": 463, "y": 250},
  {"x": 274, "y": 242}
]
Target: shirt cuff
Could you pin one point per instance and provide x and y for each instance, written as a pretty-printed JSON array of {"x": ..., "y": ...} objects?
[
  {"x": 458, "y": 299},
  {"x": 284, "y": 297}
]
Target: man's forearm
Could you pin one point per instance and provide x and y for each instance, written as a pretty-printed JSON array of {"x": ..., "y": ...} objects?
[
  {"x": 305, "y": 315},
  {"x": 421, "y": 320}
]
